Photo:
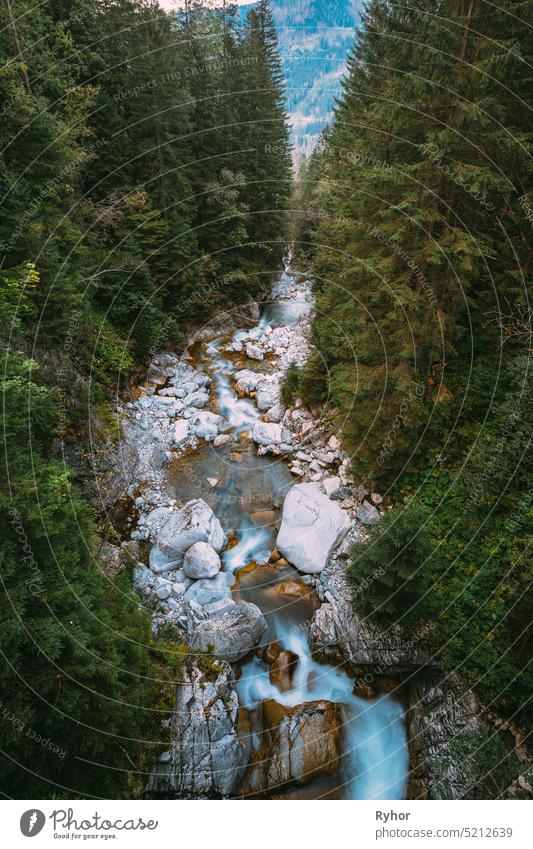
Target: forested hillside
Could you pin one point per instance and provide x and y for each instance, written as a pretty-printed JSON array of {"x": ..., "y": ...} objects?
[
  {"x": 315, "y": 37},
  {"x": 145, "y": 177},
  {"x": 416, "y": 214}
]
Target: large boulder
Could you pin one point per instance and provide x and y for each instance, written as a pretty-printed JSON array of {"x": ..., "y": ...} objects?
[
  {"x": 312, "y": 526},
  {"x": 206, "y": 424},
  {"x": 300, "y": 744},
  {"x": 209, "y": 590},
  {"x": 195, "y": 522},
  {"x": 208, "y": 755},
  {"x": 266, "y": 433},
  {"x": 267, "y": 395},
  {"x": 232, "y": 634},
  {"x": 247, "y": 381},
  {"x": 201, "y": 561}
]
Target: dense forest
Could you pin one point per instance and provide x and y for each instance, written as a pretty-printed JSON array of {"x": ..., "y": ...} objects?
[
  {"x": 145, "y": 180},
  {"x": 415, "y": 212},
  {"x": 147, "y": 185}
]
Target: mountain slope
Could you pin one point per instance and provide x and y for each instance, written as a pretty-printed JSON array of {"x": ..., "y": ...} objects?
[{"x": 315, "y": 37}]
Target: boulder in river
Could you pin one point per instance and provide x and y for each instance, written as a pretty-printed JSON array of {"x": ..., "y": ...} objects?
[
  {"x": 206, "y": 424},
  {"x": 232, "y": 634},
  {"x": 209, "y": 590},
  {"x": 201, "y": 561},
  {"x": 312, "y": 526},
  {"x": 300, "y": 744},
  {"x": 267, "y": 395},
  {"x": 254, "y": 352},
  {"x": 208, "y": 755},
  {"x": 266, "y": 433},
  {"x": 195, "y": 522}
]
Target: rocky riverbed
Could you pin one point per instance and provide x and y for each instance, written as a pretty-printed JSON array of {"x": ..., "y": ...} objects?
[{"x": 249, "y": 513}]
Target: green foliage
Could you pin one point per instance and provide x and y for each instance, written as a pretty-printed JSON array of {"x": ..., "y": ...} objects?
[
  {"x": 492, "y": 766},
  {"x": 75, "y": 669},
  {"x": 390, "y": 573},
  {"x": 127, "y": 178},
  {"x": 290, "y": 385},
  {"x": 412, "y": 212}
]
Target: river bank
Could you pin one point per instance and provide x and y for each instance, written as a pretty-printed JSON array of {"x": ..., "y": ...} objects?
[{"x": 249, "y": 512}]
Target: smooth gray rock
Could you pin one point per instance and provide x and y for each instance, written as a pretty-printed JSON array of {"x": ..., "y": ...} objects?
[
  {"x": 161, "y": 562},
  {"x": 195, "y": 522},
  {"x": 266, "y": 433},
  {"x": 209, "y": 590},
  {"x": 232, "y": 634},
  {"x": 312, "y": 526},
  {"x": 201, "y": 561}
]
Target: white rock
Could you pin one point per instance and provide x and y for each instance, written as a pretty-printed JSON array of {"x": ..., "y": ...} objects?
[
  {"x": 181, "y": 432},
  {"x": 196, "y": 399},
  {"x": 221, "y": 439},
  {"x": 312, "y": 526},
  {"x": 195, "y": 522},
  {"x": 201, "y": 561},
  {"x": 267, "y": 395},
  {"x": 275, "y": 414},
  {"x": 266, "y": 433},
  {"x": 206, "y": 424},
  {"x": 254, "y": 352},
  {"x": 209, "y": 590},
  {"x": 212, "y": 482},
  {"x": 331, "y": 485}
]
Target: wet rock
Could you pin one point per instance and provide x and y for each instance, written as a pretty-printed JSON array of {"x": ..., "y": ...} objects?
[
  {"x": 312, "y": 526},
  {"x": 208, "y": 753},
  {"x": 221, "y": 440},
  {"x": 201, "y": 561},
  {"x": 266, "y": 433},
  {"x": 271, "y": 652},
  {"x": 195, "y": 522},
  {"x": 367, "y": 513},
  {"x": 283, "y": 669},
  {"x": 300, "y": 744},
  {"x": 231, "y": 635},
  {"x": 207, "y": 591},
  {"x": 206, "y": 424}
]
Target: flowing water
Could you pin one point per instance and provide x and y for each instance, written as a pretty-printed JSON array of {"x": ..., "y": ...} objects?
[{"x": 247, "y": 498}]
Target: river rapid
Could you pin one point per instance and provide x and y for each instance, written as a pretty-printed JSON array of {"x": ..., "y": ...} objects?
[{"x": 246, "y": 491}]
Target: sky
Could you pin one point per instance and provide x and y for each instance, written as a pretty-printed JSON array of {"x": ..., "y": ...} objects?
[{"x": 174, "y": 4}]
